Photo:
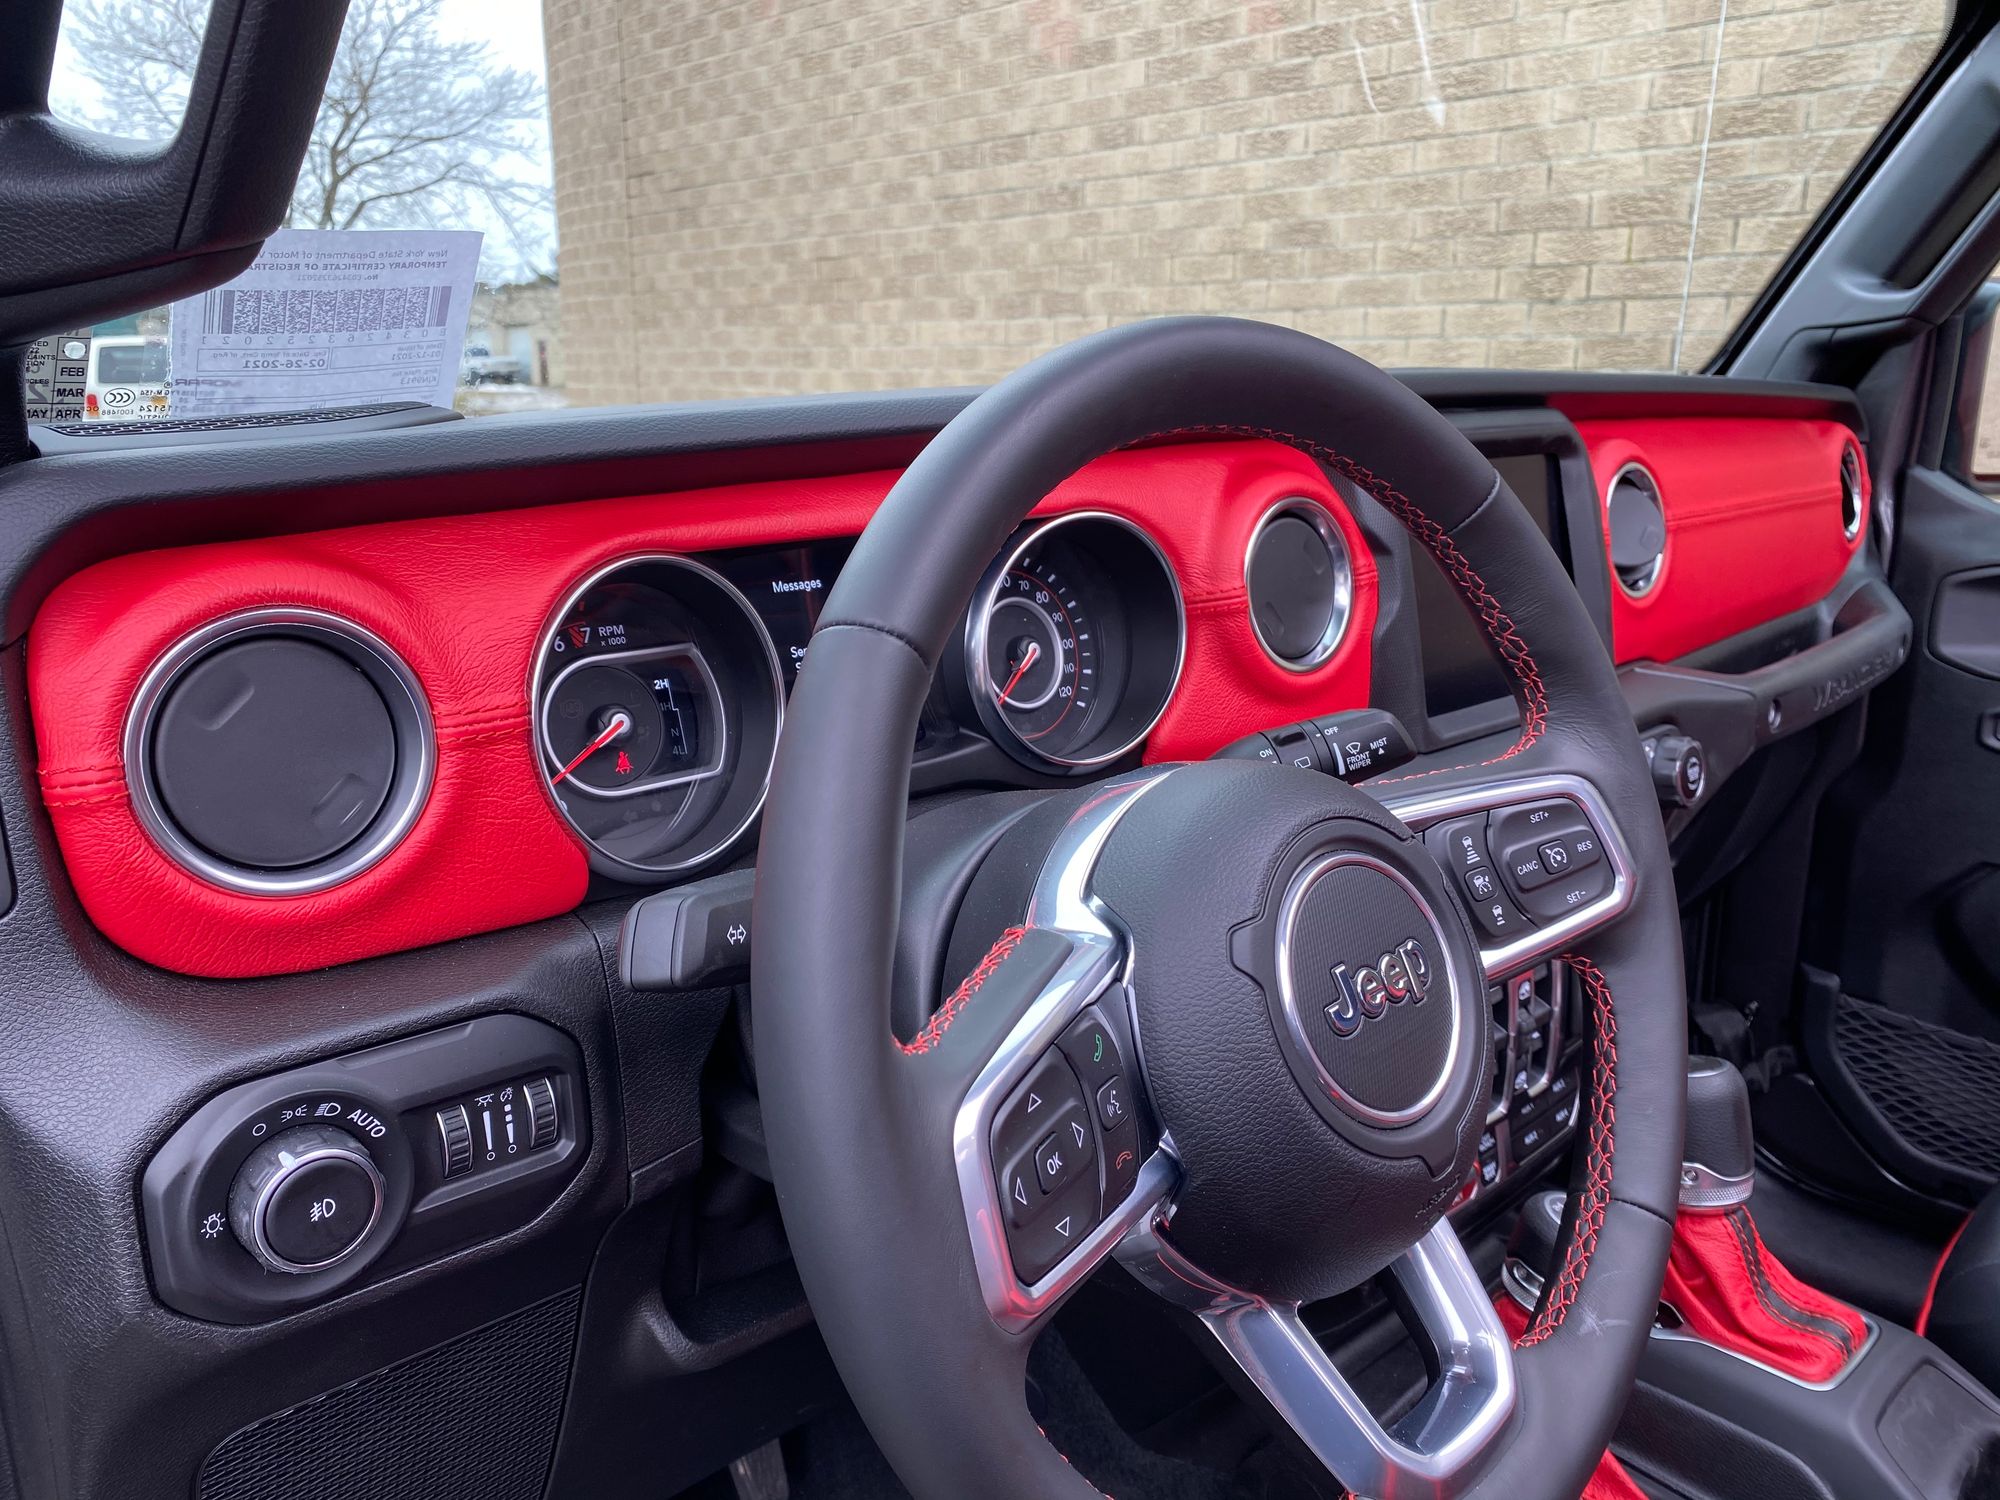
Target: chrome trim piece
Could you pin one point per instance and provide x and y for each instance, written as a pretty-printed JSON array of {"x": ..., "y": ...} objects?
[
  {"x": 1704, "y": 1188},
  {"x": 1097, "y": 960},
  {"x": 1315, "y": 514},
  {"x": 1431, "y": 1451},
  {"x": 1650, "y": 579},
  {"x": 1522, "y": 1282},
  {"x": 984, "y": 691},
  {"x": 390, "y": 825},
  {"x": 263, "y": 1249},
  {"x": 1421, "y": 809},
  {"x": 1851, "y": 464},
  {"x": 542, "y": 652},
  {"x": 642, "y": 653},
  {"x": 1301, "y": 884},
  {"x": 1678, "y": 1336}
]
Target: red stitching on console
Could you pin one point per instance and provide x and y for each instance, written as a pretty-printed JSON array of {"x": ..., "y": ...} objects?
[
  {"x": 1494, "y": 620},
  {"x": 1595, "y": 1199},
  {"x": 934, "y": 1029}
]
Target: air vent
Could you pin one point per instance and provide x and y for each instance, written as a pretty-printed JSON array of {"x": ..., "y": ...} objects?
[
  {"x": 1851, "y": 502},
  {"x": 1300, "y": 584},
  {"x": 278, "y": 751},
  {"x": 1638, "y": 529}
]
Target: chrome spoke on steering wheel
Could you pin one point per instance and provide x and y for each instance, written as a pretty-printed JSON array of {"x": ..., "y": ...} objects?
[
  {"x": 1035, "y": 1235},
  {"x": 1538, "y": 860},
  {"x": 1435, "y": 1448}
]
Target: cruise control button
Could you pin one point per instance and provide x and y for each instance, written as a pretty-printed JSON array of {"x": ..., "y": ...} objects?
[
  {"x": 1480, "y": 884},
  {"x": 1561, "y": 897},
  {"x": 1499, "y": 917},
  {"x": 1459, "y": 844},
  {"x": 1555, "y": 857},
  {"x": 1523, "y": 867}
]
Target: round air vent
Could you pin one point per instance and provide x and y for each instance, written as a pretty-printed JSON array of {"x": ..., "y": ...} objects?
[
  {"x": 1851, "y": 502},
  {"x": 1300, "y": 583},
  {"x": 278, "y": 751},
  {"x": 1638, "y": 529}
]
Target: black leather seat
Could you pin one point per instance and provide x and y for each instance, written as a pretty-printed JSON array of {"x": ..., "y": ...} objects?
[{"x": 1962, "y": 1314}]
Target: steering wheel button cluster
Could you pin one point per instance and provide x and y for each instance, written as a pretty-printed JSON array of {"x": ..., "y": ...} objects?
[{"x": 1063, "y": 1156}]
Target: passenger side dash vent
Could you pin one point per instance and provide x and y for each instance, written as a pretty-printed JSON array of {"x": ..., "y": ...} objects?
[
  {"x": 1850, "y": 491},
  {"x": 1638, "y": 520}
]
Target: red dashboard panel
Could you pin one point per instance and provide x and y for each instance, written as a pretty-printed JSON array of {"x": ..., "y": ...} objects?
[
  {"x": 1754, "y": 524},
  {"x": 463, "y": 601}
]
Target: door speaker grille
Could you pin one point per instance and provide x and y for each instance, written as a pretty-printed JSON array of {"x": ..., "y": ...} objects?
[{"x": 474, "y": 1419}]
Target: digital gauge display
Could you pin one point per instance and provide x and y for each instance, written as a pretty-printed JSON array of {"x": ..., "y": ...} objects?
[{"x": 657, "y": 700}]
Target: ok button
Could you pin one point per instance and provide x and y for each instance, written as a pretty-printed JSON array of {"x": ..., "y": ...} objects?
[{"x": 1062, "y": 1156}]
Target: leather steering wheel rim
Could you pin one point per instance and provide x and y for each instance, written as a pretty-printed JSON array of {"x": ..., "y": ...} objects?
[{"x": 859, "y": 1128}]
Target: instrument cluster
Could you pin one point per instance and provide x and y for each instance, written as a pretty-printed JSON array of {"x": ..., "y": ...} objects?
[{"x": 659, "y": 682}]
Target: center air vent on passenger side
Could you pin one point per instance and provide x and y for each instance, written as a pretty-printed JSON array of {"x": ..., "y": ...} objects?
[
  {"x": 1638, "y": 528},
  {"x": 278, "y": 751},
  {"x": 1850, "y": 491}
]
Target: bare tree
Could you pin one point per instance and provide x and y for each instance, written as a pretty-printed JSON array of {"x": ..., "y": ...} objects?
[{"x": 415, "y": 130}]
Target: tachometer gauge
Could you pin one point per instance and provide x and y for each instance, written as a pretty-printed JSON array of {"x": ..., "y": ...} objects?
[
  {"x": 657, "y": 701},
  {"x": 1074, "y": 641}
]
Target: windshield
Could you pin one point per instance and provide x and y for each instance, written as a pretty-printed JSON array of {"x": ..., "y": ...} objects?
[{"x": 756, "y": 197}]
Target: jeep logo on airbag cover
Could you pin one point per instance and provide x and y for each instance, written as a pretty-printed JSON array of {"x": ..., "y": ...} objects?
[
  {"x": 1363, "y": 994},
  {"x": 1381, "y": 1035}
]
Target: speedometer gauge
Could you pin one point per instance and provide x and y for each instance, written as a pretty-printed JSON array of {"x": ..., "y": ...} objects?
[{"x": 1074, "y": 642}]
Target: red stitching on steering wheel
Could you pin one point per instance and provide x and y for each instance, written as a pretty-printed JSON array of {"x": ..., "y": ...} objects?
[
  {"x": 1594, "y": 1202},
  {"x": 935, "y": 1028},
  {"x": 1494, "y": 620}
]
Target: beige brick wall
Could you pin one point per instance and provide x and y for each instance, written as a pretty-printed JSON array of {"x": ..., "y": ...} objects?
[{"x": 798, "y": 195}]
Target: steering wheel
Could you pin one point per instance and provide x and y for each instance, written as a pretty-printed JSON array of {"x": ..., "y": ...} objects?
[{"x": 1281, "y": 985}]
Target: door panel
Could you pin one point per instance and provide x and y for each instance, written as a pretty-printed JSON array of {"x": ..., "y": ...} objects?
[{"x": 1902, "y": 1016}]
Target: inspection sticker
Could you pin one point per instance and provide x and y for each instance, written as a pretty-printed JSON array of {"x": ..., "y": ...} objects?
[{"x": 325, "y": 318}]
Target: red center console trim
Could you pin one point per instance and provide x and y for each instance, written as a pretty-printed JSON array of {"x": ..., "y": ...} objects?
[
  {"x": 461, "y": 600},
  {"x": 1754, "y": 524}
]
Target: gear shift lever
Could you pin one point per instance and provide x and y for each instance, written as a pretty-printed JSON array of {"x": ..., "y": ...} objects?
[
  {"x": 1719, "y": 1154},
  {"x": 1723, "y": 1284}
]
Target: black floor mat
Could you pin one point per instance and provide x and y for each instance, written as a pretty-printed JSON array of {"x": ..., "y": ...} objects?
[{"x": 834, "y": 1458}]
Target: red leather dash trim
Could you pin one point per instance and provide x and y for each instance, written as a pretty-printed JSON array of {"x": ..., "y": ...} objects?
[
  {"x": 463, "y": 599},
  {"x": 1594, "y": 1200},
  {"x": 935, "y": 1028},
  {"x": 1753, "y": 524},
  {"x": 1497, "y": 624}
]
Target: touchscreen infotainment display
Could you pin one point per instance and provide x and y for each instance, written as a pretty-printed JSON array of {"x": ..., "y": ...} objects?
[{"x": 1459, "y": 668}]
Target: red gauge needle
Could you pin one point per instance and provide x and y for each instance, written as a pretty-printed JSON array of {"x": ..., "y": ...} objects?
[
  {"x": 1028, "y": 658},
  {"x": 620, "y": 722}
]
